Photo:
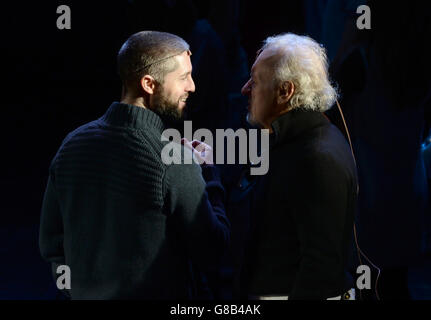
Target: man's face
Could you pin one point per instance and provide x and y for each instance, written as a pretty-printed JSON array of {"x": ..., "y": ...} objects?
[
  {"x": 170, "y": 99},
  {"x": 260, "y": 90}
]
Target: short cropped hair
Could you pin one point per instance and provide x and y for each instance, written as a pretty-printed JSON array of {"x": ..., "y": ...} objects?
[
  {"x": 304, "y": 62},
  {"x": 149, "y": 53}
]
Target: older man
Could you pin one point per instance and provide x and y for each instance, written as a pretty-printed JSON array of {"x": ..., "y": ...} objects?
[
  {"x": 127, "y": 224},
  {"x": 303, "y": 210}
]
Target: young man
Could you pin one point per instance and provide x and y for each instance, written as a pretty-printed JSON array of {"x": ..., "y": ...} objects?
[{"x": 127, "y": 224}]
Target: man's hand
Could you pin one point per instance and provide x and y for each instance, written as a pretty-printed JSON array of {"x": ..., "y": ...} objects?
[{"x": 202, "y": 151}]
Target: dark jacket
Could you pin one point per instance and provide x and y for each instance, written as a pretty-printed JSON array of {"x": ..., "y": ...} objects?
[
  {"x": 302, "y": 212},
  {"x": 127, "y": 224}
]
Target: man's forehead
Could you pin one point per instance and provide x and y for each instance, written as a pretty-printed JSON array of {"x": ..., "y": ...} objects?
[
  {"x": 184, "y": 60},
  {"x": 184, "y": 55},
  {"x": 265, "y": 58}
]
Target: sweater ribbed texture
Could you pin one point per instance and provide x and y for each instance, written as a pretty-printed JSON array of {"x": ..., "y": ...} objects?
[
  {"x": 120, "y": 151},
  {"x": 126, "y": 224}
]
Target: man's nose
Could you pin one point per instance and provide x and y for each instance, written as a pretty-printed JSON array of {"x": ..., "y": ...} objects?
[
  {"x": 245, "y": 91},
  {"x": 191, "y": 87}
]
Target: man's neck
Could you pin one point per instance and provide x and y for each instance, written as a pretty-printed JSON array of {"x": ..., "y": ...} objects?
[{"x": 139, "y": 102}]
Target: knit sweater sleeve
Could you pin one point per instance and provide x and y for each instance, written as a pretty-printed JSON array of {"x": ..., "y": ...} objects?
[
  {"x": 197, "y": 208},
  {"x": 51, "y": 230}
]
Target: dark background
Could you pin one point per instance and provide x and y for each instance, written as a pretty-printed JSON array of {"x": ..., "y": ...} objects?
[{"x": 56, "y": 80}]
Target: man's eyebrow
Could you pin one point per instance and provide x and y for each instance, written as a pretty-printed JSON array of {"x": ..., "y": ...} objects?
[{"x": 186, "y": 73}]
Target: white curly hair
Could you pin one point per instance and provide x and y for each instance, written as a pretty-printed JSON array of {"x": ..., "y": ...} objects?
[{"x": 304, "y": 62}]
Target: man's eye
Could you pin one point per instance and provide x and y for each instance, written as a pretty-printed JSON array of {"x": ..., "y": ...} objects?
[{"x": 186, "y": 76}]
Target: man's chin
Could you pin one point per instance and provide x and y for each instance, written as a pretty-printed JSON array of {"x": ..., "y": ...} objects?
[
  {"x": 253, "y": 122},
  {"x": 250, "y": 120}
]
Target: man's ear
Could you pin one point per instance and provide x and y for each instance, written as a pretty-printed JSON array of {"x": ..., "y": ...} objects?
[
  {"x": 285, "y": 92},
  {"x": 148, "y": 84}
]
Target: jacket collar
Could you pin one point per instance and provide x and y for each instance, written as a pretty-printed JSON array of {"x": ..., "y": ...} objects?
[{"x": 295, "y": 123}]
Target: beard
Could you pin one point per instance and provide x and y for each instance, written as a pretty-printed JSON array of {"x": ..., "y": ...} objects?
[{"x": 167, "y": 109}]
